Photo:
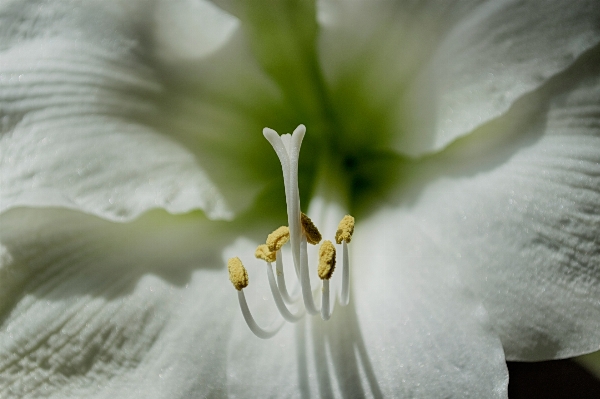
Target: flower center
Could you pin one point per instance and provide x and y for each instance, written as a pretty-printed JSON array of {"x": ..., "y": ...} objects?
[{"x": 300, "y": 232}]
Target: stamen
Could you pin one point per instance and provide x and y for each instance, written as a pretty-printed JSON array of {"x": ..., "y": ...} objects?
[
  {"x": 307, "y": 294},
  {"x": 326, "y": 268},
  {"x": 326, "y": 260},
  {"x": 283, "y": 310},
  {"x": 300, "y": 232},
  {"x": 237, "y": 273},
  {"x": 255, "y": 328},
  {"x": 270, "y": 252},
  {"x": 239, "y": 278},
  {"x": 278, "y": 238},
  {"x": 325, "y": 312},
  {"x": 263, "y": 252},
  {"x": 281, "y": 281},
  {"x": 313, "y": 236},
  {"x": 345, "y": 276},
  {"x": 343, "y": 235},
  {"x": 345, "y": 230}
]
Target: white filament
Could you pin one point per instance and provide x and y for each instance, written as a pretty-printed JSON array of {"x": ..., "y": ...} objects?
[
  {"x": 283, "y": 310},
  {"x": 345, "y": 275},
  {"x": 325, "y": 312},
  {"x": 307, "y": 293},
  {"x": 255, "y": 328},
  {"x": 281, "y": 281}
]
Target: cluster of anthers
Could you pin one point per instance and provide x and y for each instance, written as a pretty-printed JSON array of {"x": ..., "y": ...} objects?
[{"x": 300, "y": 232}]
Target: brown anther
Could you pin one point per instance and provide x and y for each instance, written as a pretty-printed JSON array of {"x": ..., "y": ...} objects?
[
  {"x": 278, "y": 238},
  {"x": 326, "y": 260},
  {"x": 345, "y": 230},
  {"x": 263, "y": 252},
  {"x": 237, "y": 273},
  {"x": 310, "y": 230}
]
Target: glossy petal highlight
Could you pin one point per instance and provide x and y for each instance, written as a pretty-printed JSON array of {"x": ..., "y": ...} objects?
[
  {"x": 92, "y": 308},
  {"x": 79, "y": 113}
]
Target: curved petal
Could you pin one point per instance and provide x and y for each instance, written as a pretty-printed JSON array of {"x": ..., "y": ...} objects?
[
  {"x": 411, "y": 329},
  {"x": 424, "y": 75},
  {"x": 188, "y": 29},
  {"x": 97, "y": 309},
  {"x": 521, "y": 217},
  {"x": 83, "y": 126},
  {"x": 499, "y": 52},
  {"x": 369, "y": 51}
]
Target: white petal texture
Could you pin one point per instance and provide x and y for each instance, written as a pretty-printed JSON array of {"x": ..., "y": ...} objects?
[
  {"x": 523, "y": 223},
  {"x": 449, "y": 66},
  {"x": 103, "y": 310},
  {"x": 86, "y": 122},
  {"x": 97, "y": 309},
  {"x": 464, "y": 136},
  {"x": 410, "y": 330}
]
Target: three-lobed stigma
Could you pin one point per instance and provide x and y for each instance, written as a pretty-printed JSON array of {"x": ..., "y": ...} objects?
[{"x": 299, "y": 232}]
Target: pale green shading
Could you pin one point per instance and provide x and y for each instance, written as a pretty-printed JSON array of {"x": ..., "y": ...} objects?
[{"x": 591, "y": 362}]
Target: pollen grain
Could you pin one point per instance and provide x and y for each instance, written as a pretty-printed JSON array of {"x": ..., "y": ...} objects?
[
  {"x": 237, "y": 273},
  {"x": 326, "y": 260},
  {"x": 278, "y": 238},
  {"x": 313, "y": 236},
  {"x": 345, "y": 230},
  {"x": 263, "y": 252}
]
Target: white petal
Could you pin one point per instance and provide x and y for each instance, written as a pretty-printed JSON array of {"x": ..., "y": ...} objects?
[
  {"x": 79, "y": 114},
  {"x": 521, "y": 218},
  {"x": 433, "y": 72},
  {"x": 96, "y": 309},
  {"x": 192, "y": 28},
  {"x": 411, "y": 330},
  {"x": 497, "y": 53}
]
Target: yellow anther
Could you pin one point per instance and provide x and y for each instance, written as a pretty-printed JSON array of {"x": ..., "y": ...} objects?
[
  {"x": 310, "y": 230},
  {"x": 345, "y": 230},
  {"x": 237, "y": 273},
  {"x": 326, "y": 260},
  {"x": 263, "y": 252},
  {"x": 276, "y": 239}
]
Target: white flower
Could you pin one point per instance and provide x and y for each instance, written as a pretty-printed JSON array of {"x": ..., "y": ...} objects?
[{"x": 464, "y": 136}]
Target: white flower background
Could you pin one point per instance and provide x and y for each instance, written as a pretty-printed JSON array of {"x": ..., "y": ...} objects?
[{"x": 464, "y": 136}]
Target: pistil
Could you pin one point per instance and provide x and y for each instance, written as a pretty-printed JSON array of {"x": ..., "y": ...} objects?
[{"x": 300, "y": 232}]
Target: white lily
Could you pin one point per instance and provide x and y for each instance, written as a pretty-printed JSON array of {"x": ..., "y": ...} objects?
[{"x": 463, "y": 136}]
